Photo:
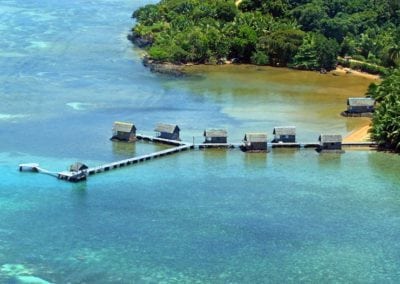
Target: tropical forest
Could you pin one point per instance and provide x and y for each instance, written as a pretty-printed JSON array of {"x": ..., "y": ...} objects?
[{"x": 304, "y": 34}]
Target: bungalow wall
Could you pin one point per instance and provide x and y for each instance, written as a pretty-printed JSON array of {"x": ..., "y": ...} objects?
[
  {"x": 360, "y": 109},
  {"x": 285, "y": 138},
  {"x": 125, "y": 136},
  {"x": 170, "y": 136},
  {"x": 331, "y": 146},
  {"x": 256, "y": 146},
  {"x": 216, "y": 140}
]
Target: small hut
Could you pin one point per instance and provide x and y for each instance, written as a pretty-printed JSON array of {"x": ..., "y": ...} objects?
[
  {"x": 360, "y": 105},
  {"x": 218, "y": 136},
  {"x": 167, "y": 131},
  {"x": 285, "y": 134},
  {"x": 255, "y": 142},
  {"x": 124, "y": 131},
  {"x": 330, "y": 142},
  {"x": 77, "y": 167}
]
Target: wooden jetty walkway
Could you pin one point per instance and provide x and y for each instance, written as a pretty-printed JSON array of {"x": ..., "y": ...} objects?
[
  {"x": 75, "y": 176},
  {"x": 179, "y": 146},
  {"x": 136, "y": 160}
]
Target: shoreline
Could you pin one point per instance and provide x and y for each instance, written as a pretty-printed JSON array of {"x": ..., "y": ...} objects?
[
  {"x": 178, "y": 69},
  {"x": 181, "y": 69},
  {"x": 360, "y": 134},
  {"x": 342, "y": 71}
]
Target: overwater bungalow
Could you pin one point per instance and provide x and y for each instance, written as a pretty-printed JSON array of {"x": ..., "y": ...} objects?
[
  {"x": 124, "y": 131},
  {"x": 285, "y": 134},
  {"x": 360, "y": 105},
  {"x": 218, "y": 136},
  {"x": 255, "y": 142},
  {"x": 167, "y": 131},
  {"x": 77, "y": 167},
  {"x": 330, "y": 143}
]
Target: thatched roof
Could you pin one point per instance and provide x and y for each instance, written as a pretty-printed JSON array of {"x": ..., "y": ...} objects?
[
  {"x": 255, "y": 137},
  {"x": 360, "y": 102},
  {"x": 330, "y": 138},
  {"x": 166, "y": 128},
  {"x": 285, "y": 130},
  {"x": 78, "y": 166},
  {"x": 123, "y": 126},
  {"x": 215, "y": 133}
]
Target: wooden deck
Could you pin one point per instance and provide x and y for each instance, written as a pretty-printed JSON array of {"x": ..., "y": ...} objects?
[
  {"x": 136, "y": 160},
  {"x": 160, "y": 140},
  {"x": 179, "y": 146}
]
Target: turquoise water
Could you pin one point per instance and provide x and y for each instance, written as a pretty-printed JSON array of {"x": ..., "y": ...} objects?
[{"x": 67, "y": 72}]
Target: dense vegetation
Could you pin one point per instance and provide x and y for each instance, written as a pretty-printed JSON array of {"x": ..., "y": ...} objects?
[
  {"x": 386, "y": 120},
  {"x": 305, "y": 34}
]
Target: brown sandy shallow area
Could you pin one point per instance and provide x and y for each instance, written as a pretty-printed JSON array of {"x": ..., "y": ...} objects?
[
  {"x": 359, "y": 135},
  {"x": 340, "y": 71}
]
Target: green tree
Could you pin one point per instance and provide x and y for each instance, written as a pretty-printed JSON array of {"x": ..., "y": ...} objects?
[
  {"x": 327, "y": 52},
  {"x": 259, "y": 58},
  {"x": 394, "y": 54},
  {"x": 244, "y": 43},
  {"x": 282, "y": 45},
  {"x": 307, "y": 58},
  {"x": 386, "y": 119},
  {"x": 226, "y": 11},
  {"x": 310, "y": 16}
]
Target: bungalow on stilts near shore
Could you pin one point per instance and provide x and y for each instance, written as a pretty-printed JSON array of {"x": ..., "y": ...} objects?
[
  {"x": 215, "y": 136},
  {"x": 124, "y": 131},
  {"x": 360, "y": 105},
  {"x": 255, "y": 142},
  {"x": 330, "y": 143},
  {"x": 357, "y": 107},
  {"x": 284, "y": 134},
  {"x": 167, "y": 131}
]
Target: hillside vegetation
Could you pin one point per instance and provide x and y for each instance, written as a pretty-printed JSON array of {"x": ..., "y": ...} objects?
[
  {"x": 304, "y": 34},
  {"x": 386, "y": 120}
]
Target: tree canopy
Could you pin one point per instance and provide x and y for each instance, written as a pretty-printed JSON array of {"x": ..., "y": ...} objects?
[
  {"x": 306, "y": 34},
  {"x": 386, "y": 119}
]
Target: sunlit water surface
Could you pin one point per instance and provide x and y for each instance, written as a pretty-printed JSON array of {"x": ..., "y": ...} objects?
[{"x": 68, "y": 72}]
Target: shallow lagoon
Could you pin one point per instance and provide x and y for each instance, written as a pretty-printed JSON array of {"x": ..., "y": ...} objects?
[{"x": 208, "y": 216}]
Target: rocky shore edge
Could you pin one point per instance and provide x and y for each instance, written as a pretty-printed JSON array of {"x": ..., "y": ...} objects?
[{"x": 156, "y": 66}]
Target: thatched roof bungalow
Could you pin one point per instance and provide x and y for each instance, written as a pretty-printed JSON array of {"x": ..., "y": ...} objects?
[
  {"x": 77, "y": 167},
  {"x": 286, "y": 134},
  {"x": 330, "y": 142},
  {"x": 124, "y": 131},
  {"x": 255, "y": 142},
  {"x": 360, "y": 105},
  {"x": 167, "y": 131},
  {"x": 215, "y": 136}
]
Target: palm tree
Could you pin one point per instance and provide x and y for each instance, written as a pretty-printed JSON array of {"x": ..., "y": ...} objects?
[
  {"x": 394, "y": 54},
  {"x": 386, "y": 120}
]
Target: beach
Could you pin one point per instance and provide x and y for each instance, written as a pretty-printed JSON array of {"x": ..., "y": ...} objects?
[
  {"x": 359, "y": 135},
  {"x": 342, "y": 71}
]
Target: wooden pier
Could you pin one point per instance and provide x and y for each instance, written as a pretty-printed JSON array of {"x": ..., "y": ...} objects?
[
  {"x": 160, "y": 140},
  {"x": 360, "y": 144},
  {"x": 179, "y": 146},
  {"x": 136, "y": 160},
  {"x": 218, "y": 145},
  {"x": 76, "y": 176}
]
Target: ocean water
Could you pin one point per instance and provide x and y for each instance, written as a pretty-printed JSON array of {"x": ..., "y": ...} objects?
[{"x": 213, "y": 216}]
